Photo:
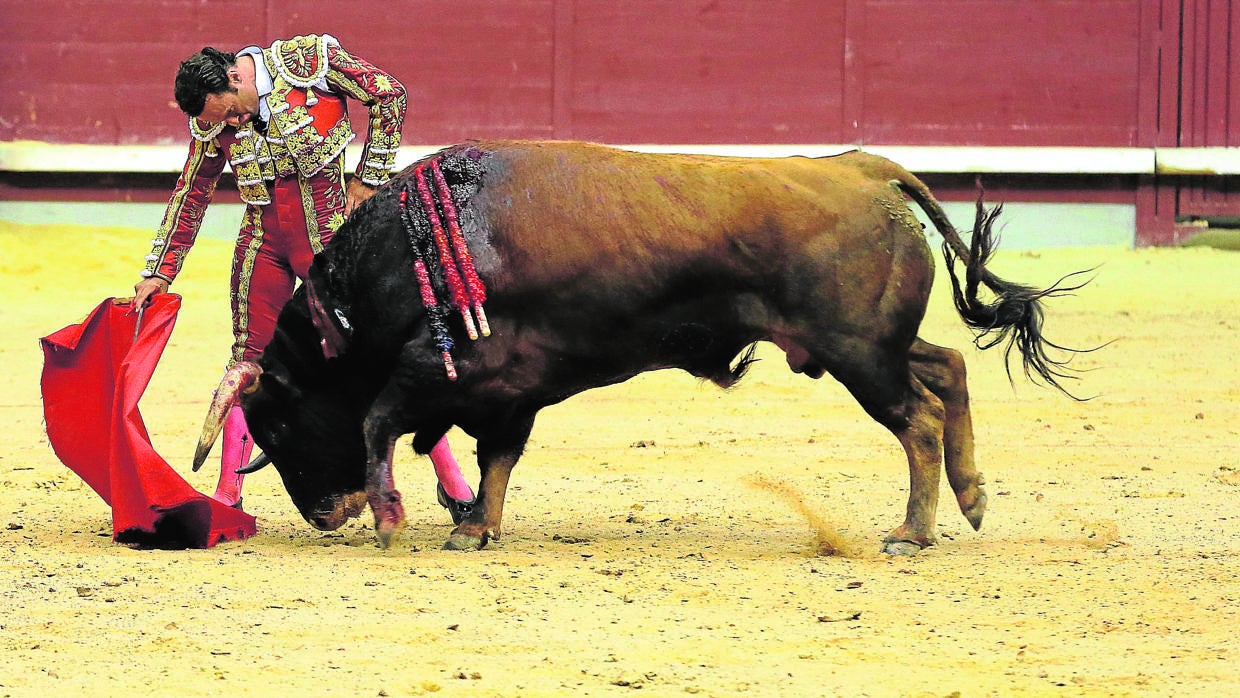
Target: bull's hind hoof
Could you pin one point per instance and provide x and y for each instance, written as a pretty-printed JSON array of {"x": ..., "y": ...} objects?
[
  {"x": 975, "y": 512},
  {"x": 901, "y": 542},
  {"x": 901, "y": 548}
]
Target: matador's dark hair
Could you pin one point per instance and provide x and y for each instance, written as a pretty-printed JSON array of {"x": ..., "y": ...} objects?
[{"x": 204, "y": 73}]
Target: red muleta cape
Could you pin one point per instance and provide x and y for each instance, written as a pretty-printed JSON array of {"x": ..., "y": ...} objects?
[{"x": 93, "y": 376}]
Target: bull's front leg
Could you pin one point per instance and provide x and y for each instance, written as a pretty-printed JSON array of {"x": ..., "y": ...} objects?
[
  {"x": 381, "y": 490},
  {"x": 498, "y": 453}
]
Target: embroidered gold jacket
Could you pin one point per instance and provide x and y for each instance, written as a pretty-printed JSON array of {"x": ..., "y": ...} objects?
[{"x": 309, "y": 129}]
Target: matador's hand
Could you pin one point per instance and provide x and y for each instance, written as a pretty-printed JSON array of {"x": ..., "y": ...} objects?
[
  {"x": 145, "y": 289},
  {"x": 356, "y": 192}
]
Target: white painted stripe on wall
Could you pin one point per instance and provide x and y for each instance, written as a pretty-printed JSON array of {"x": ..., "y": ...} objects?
[
  {"x": 31, "y": 156},
  {"x": 1207, "y": 161}
]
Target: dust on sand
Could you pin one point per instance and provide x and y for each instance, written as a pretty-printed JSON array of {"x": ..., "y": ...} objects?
[{"x": 638, "y": 552}]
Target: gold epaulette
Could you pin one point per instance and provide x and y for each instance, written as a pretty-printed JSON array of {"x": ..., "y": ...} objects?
[{"x": 302, "y": 60}]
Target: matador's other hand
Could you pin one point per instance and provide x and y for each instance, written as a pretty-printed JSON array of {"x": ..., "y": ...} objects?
[{"x": 356, "y": 192}]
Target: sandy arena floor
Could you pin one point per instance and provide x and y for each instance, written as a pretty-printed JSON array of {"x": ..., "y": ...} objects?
[{"x": 662, "y": 535}]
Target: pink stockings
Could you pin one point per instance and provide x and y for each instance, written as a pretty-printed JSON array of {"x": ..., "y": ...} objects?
[
  {"x": 234, "y": 453},
  {"x": 449, "y": 473},
  {"x": 237, "y": 445}
]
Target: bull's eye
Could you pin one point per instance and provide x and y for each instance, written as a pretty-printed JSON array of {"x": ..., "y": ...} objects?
[
  {"x": 274, "y": 439},
  {"x": 276, "y": 433}
]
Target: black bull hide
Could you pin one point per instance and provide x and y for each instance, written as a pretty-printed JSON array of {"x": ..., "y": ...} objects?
[{"x": 601, "y": 264}]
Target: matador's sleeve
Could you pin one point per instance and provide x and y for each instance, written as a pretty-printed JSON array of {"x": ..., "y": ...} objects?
[
  {"x": 188, "y": 205},
  {"x": 386, "y": 98}
]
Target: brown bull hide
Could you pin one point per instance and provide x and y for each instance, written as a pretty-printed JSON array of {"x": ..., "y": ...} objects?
[{"x": 601, "y": 264}]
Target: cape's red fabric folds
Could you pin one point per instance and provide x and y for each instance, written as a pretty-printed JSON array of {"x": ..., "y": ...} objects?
[{"x": 93, "y": 376}]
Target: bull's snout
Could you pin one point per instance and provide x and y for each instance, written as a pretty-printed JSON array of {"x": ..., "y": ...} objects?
[{"x": 332, "y": 513}]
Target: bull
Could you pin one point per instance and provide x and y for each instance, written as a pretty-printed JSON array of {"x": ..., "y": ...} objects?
[{"x": 601, "y": 264}]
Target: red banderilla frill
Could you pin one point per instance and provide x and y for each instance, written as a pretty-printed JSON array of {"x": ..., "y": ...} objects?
[
  {"x": 473, "y": 284},
  {"x": 452, "y": 275},
  {"x": 443, "y": 340}
]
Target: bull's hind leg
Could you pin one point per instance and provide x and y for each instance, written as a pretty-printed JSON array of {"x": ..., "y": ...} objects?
[
  {"x": 942, "y": 370},
  {"x": 889, "y": 392},
  {"x": 919, "y": 428},
  {"x": 498, "y": 452}
]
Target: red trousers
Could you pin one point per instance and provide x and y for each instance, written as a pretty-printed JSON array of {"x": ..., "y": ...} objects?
[{"x": 274, "y": 249}]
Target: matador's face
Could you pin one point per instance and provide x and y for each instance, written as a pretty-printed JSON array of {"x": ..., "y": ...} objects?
[{"x": 239, "y": 105}]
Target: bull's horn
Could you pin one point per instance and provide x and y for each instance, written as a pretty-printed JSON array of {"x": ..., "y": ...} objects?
[
  {"x": 260, "y": 461},
  {"x": 242, "y": 377}
]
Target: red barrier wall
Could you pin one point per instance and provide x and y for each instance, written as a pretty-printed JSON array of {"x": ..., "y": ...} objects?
[
  {"x": 953, "y": 72},
  {"x": 1102, "y": 73}
]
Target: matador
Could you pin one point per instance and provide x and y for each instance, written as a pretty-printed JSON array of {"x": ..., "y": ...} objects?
[{"x": 278, "y": 118}]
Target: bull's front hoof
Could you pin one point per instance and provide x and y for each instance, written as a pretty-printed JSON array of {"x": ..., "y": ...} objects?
[
  {"x": 464, "y": 541},
  {"x": 389, "y": 516},
  {"x": 386, "y": 533}
]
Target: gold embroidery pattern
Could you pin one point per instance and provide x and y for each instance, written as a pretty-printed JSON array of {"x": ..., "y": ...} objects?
[
  {"x": 335, "y": 220},
  {"x": 203, "y": 131},
  {"x": 327, "y": 211},
  {"x": 312, "y": 218},
  {"x": 298, "y": 64},
  {"x": 302, "y": 60},
  {"x": 178, "y": 259},
  {"x": 387, "y": 100},
  {"x": 180, "y": 207},
  {"x": 334, "y": 196},
  {"x": 243, "y": 156},
  {"x": 281, "y": 160},
  {"x": 252, "y": 220},
  {"x": 310, "y": 150}
]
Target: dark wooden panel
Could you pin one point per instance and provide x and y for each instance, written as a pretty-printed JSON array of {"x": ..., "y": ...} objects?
[
  {"x": 1046, "y": 188},
  {"x": 1210, "y": 84},
  {"x": 125, "y": 187},
  {"x": 88, "y": 95},
  {"x": 1210, "y": 104},
  {"x": 1160, "y": 84},
  {"x": 102, "y": 73}
]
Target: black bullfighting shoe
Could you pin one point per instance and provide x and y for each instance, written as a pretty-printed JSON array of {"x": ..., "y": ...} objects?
[{"x": 457, "y": 509}]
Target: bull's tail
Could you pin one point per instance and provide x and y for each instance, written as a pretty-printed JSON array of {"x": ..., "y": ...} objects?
[{"x": 1014, "y": 316}]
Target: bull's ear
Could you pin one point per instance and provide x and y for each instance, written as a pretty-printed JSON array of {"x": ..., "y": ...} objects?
[{"x": 331, "y": 322}]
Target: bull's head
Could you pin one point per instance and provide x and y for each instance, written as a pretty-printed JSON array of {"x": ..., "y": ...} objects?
[{"x": 306, "y": 420}]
